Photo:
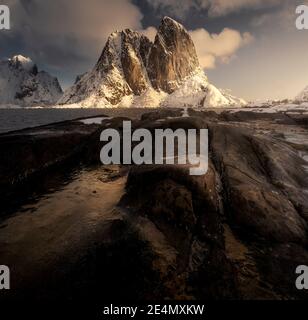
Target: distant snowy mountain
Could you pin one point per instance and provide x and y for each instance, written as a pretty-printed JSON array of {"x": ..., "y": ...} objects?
[
  {"x": 303, "y": 96},
  {"x": 133, "y": 71},
  {"x": 22, "y": 84}
]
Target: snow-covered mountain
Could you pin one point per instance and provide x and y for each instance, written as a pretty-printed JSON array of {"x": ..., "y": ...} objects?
[
  {"x": 133, "y": 71},
  {"x": 303, "y": 96},
  {"x": 22, "y": 84}
]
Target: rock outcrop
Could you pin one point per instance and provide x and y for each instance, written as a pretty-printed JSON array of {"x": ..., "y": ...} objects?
[
  {"x": 237, "y": 232},
  {"x": 133, "y": 71},
  {"x": 173, "y": 57}
]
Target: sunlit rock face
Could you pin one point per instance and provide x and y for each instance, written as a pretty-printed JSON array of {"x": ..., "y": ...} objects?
[
  {"x": 173, "y": 56},
  {"x": 135, "y": 49},
  {"x": 133, "y": 71}
]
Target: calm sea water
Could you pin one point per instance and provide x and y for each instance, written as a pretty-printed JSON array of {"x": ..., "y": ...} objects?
[{"x": 16, "y": 119}]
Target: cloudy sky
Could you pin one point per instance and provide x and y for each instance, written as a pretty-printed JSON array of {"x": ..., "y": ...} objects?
[{"x": 251, "y": 47}]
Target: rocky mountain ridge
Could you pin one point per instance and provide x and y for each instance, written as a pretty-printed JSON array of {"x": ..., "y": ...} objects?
[
  {"x": 21, "y": 83},
  {"x": 133, "y": 71}
]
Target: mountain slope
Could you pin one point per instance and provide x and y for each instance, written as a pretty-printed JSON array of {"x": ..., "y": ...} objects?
[
  {"x": 303, "y": 96},
  {"x": 119, "y": 72},
  {"x": 21, "y": 83},
  {"x": 133, "y": 71}
]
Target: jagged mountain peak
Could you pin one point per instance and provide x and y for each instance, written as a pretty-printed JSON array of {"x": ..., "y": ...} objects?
[
  {"x": 21, "y": 60},
  {"x": 169, "y": 22},
  {"x": 173, "y": 56},
  {"x": 132, "y": 69},
  {"x": 116, "y": 44},
  {"x": 22, "y": 84},
  {"x": 21, "y": 63}
]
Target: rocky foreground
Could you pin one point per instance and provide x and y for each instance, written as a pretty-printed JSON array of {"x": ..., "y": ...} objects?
[{"x": 155, "y": 232}]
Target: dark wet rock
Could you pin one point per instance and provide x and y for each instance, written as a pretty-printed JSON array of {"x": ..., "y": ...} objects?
[
  {"x": 177, "y": 208},
  {"x": 300, "y": 119},
  {"x": 210, "y": 116},
  {"x": 252, "y": 175},
  {"x": 173, "y": 123},
  {"x": 237, "y": 232},
  {"x": 185, "y": 210},
  {"x": 278, "y": 264},
  {"x": 247, "y": 116},
  {"x": 161, "y": 114},
  {"x": 30, "y": 152},
  {"x": 120, "y": 264}
]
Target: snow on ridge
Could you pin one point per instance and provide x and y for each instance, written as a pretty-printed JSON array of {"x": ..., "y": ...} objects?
[
  {"x": 194, "y": 92},
  {"x": 25, "y": 62},
  {"x": 302, "y": 96},
  {"x": 22, "y": 84}
]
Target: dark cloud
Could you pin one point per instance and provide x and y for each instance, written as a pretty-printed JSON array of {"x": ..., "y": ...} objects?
[
  {"x": 65, "y": 36},
  {"x": 214, "y": 15}
]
